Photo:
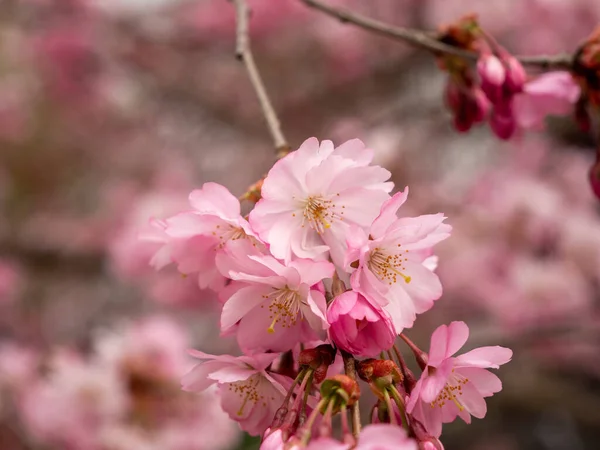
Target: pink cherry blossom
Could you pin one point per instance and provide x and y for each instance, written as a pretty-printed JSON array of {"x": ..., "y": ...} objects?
[
  {"x": 455, "y": 386},
  {"x": 392, "y": 262},
  {"x": 249, "y": 394},
  {"x": 69, "y": 408},
  {"x": 271, "y": 305},
  {"x": 358, "y": 327},
  {"x": 382, "y": 436},
  {"x": 553, "y": 93},
  {"x": 312, "y": 196},
  {"x": 153, "y": 345},
  {"x": 193, "y": 239}
]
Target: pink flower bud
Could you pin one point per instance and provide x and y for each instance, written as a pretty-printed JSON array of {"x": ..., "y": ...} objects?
[
  {"x": 502, "y": 121},
  {"x": 491, "y": 70},
  {"x": 481, "y": 105},
  {"x": 358, "y": 327},
  {"x": 493, "y": 75},
  {"x": 515, "y": 74}
]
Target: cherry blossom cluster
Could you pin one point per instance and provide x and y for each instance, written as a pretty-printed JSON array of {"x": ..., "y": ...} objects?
[{"x": 324, "y": 259}]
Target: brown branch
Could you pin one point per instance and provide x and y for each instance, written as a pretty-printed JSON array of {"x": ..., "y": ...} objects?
[
  {"x": 244, "y": 54},
  {"x": 427, "y": 40}
]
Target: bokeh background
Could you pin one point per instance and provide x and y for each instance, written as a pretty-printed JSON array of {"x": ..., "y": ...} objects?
[{"x": 112, "y": 111}]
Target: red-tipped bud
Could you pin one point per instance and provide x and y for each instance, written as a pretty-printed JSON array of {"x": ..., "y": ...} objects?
[
  {"x": 382, "y": 372},
  {"x": 341, "y": 388},
  {"x": 253, "y": 193},
  {"x": 319, "y": 359}
]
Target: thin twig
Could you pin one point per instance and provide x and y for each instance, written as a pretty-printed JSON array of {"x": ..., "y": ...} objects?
[
  {"x": 244, "y": 54},
  {"x": 350, "y": 370},
  {"x": 427, "y": 40}
]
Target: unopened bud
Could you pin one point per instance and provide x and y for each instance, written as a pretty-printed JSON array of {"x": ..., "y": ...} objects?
[
  {"x": 515, "y": 74},
  {"x": 253, "y": 194},
  {"x": 341, "y": 386},
  {"x": 491, "y": 70},
  {"x": 381, "y": 372},
  {"x": 319, "y": 359}
]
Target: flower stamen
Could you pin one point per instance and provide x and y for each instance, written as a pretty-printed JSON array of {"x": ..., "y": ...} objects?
[
  {"x": 283, "y": 308},
  {"x": 319, "y": 213},
  {"x": 388, "y": 267}
]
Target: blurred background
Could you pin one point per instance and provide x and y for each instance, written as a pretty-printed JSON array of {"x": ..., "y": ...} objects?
[{"x": 112, "y": 111}]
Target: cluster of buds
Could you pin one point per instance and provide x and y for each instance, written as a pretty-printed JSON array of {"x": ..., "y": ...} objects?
[{"x": 489, "y": 93}]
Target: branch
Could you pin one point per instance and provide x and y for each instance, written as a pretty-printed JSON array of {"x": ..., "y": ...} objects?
[
  {"x": 427, "y": 40},
  {"x": 244, "y": 54}
]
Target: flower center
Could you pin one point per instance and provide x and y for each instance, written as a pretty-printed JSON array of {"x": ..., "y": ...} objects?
[
  {"x": 247, "y": 390},
  {"x": 320, "y": 213},
  {"x": 452, "y": 392},
  {"x": 284, "y": 307},
  {"x": 228, "y": 233},
  {"x": 388, "y": 267}
]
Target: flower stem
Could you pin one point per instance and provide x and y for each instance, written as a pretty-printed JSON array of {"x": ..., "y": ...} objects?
[
  {"x": 390, "y": 407},
  {"x": 400, "y": 403},
  {"x": 420, "y": 355},
  {"x": 350, "y": 370}
]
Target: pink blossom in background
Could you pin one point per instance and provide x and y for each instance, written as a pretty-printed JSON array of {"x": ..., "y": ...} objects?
[
  {"x": 249, "y": 394},
  {"x": 553, "y": 93},
  {"x": 10, "y": 281},
  {"x": 270, "y": 305},
  {"x": 312, "y": 196},
  {"x": 69, "y": 57},
  {"x": 358, "y": 327},
  {"x": 540, "y": 293},
  {"x": 391, "y": 270},
  {"x": 154, "y": 345},
  {"x": 18, "y": 366},
  {"x": 125, "y": 395},
  {"x": 455, "y": 386},
  {"x": 70, "y": 407}
]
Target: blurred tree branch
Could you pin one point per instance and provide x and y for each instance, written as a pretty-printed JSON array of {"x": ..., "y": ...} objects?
[
  {"x": 427, "y": 40},
  {"x": 244, "y": 54},
  {"x": 52, "y": 259}
]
